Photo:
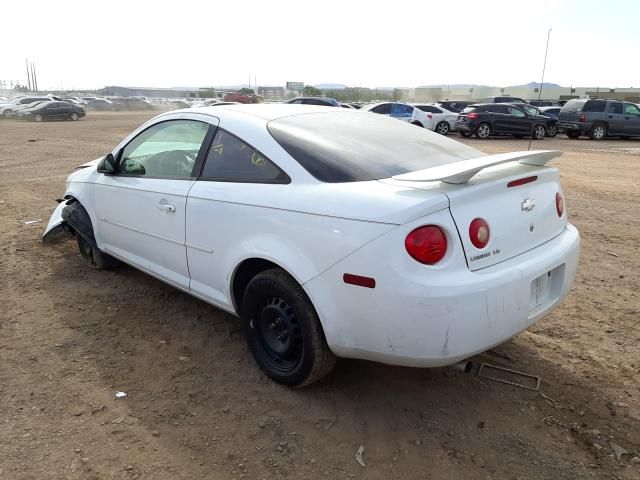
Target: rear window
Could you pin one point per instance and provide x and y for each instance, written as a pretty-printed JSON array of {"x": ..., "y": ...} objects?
[
  {"x": 345, "y": 146},
  {"x": 573, "y": 105},
  {"x": 594, "y": 106}
]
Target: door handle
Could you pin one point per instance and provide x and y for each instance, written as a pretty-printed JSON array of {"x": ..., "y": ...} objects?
[{"x": 165, "y": 207}]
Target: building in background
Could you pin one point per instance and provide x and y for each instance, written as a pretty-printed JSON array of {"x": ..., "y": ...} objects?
[
  {"x": 117, "y": 91},
  {"x": 272, "y": 93}
]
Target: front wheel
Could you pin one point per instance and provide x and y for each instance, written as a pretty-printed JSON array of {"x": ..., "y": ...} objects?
[
  {"x": 552, "y": 131},
  {"x": 284, "y": 331},
  {"x": 94, "y": 257},
  {"x": 37, "y": 117},
  {"x": 74, "y": 116},
  {"x": 7, "y": 114},
  {"x": 443, "y": 128},
  {"x": 483, "y": 131},
  {"x": 539, "y": 132}
]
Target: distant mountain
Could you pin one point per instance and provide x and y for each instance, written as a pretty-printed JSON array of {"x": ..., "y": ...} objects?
[
  {"x": 331, "y": 86},
  {"x": 537, "y": 84},
  {"x": 455, "y": 85}
]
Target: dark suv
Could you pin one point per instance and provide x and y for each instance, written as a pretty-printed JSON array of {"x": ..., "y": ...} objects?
[
  {"x": 599, "y": 118},
  {"x": 488, "y": 119},
  {"x": 455, "y": 106},
  {"x": 503, "y": 99}
]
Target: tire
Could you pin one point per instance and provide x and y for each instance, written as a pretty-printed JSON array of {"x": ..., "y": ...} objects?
[
  {"x": 283, "y": 330},
  {"x": 93, "y": 256},
  {"x": 598, "y": 131},
  {"x": 573, "y": 134},
  {"x": 37, "y": 117},
  {"x": 7, "y": 114},
  {"x": 73, "y": 116},
  {"x": 443, "y": 128},
  {"x": 539, "y": 132},
  {"x": 552, "y": 131},
  {"x": 465, "y": 134},
  {"x": 483, "y": 131}
]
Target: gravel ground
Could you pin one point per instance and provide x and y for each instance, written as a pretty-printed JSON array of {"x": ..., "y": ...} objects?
[{"x": 197, "y": 406}]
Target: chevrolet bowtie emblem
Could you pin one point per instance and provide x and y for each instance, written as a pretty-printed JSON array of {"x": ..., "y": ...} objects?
[{"x": 527, "y": 205}]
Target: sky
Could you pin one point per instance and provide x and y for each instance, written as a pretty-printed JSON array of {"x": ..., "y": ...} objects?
[{"x": 89, "y": 44}]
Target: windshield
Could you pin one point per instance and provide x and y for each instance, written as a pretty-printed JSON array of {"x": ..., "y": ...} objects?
[{"x": 345, "y": 146}]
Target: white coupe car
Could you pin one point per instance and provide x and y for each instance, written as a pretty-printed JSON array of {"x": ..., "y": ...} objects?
[
  {"x": 331, "y": 233},
  {"x": 443, "y": 119},
  {"x": 401, "y": 111}
]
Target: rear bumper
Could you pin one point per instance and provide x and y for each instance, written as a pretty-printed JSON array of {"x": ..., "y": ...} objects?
[
  {"x": 431, "y": 320},
  {"x": 573, "y": 126},
  {"x": 464, "y": 127}
]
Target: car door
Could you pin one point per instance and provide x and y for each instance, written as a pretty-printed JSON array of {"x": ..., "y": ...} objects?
[
  {"x": 218, "y": 213},
  {"x": 518, "y": 121},
  {"x": 615, "y": 118},
  {"x": 500, "y": 119},
  {"x": 631, "y": 119},
  {"x": 141, "y": 209}
]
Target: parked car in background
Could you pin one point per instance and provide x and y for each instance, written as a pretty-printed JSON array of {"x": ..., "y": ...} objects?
[
  {"x": 502, "y": 99},
  {"x": 401, "y": 111},
  {"x": 347, "y": 105},
  {"x": 455, "y": 106},
  {"x": 321, "y": 101},
  {"x": 52, "y": 111},
  {"x": 330, "y": 232},
  {"x": 26, "y": 106},
  {"x": 599, "y": 118},
  {"x": 205, "y": 102},
  {"x": 443, "y": 120},
  {"x": 99, "y": 104},
  {"x": 552, "y": 111},
  {"x": 7, "y": 109},
  {"x": 75, "y": 100},
  {"x": 552, "y": 128},
  {"x": 484, "y": 120},
  {"x": 544, "y": 103}
]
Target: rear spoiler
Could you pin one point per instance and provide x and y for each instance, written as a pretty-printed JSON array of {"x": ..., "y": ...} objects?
[{"x": 463, "y": 171}]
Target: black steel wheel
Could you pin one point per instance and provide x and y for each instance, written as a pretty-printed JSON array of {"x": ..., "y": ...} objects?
[
  {"x": 93, "y": 256},
  {"x": 283, "y": 330}
]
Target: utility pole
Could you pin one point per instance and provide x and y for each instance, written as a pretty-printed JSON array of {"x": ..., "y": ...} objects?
[{"x": 28, "y": 75}]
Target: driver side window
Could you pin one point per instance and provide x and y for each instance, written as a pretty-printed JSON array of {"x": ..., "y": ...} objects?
[{"x": 164, "y": 150}]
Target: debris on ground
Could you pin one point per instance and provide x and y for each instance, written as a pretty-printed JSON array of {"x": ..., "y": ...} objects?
[
  {"x": 618, "y": 450},
  {"x": 359, "y": 453},
  {"x": 120, "y": 394}
]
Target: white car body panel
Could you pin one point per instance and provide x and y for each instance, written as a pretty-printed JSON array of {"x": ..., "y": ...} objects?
[
  {"x": 446, "y": 115},
  {"x": 417, "y": 315}
]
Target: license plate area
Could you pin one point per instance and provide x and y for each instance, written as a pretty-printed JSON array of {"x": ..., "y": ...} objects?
[{"x": 545, "y": 290}]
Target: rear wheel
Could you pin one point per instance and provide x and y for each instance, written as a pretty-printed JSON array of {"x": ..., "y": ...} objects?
[
  {"x": 539, "y": 132},
  {"x": 283, "y": 330},
  {"x": 73, "y": 116},
  {"x": 483, "y": 131},
  {"x": 7, "y": 114},
  {"x": 598, "y": 131},
  {"x": 37, "y": 117},
  {"x": 573, "y": 133},
  {"x": 93, "y": 256},
  {"x": 443, "y": 128}
]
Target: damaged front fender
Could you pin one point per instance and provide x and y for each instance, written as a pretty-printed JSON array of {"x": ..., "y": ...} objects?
[{"x": 56, "y": 225}]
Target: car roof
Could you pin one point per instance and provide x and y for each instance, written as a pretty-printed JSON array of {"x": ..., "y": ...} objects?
[{"x": 264, "y": 111}]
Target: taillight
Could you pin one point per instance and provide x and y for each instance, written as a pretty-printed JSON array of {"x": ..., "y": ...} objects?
[
  {"x": 426, "y": 244},
  {"x": 430, "y": 116},
  {"x": 472, "y": 116},
  {"x": 559, "y": 204},
  {"x": 479, "y": 233},
  {"x": 582, "y": 118}
]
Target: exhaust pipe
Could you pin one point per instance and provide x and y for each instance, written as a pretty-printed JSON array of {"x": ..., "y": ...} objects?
[{"x": 464, "y": 366}]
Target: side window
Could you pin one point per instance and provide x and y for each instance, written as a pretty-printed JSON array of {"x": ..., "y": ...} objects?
[
  {"x": 164, "y": 150},
  {"x": 594, "y": 106},
  {"x": 499, "y": 109},
  {"x": 615, "y": 107},
  {"x": 631, "y": 109},
  {"x": 384, "y": 109},
  {"x": 516, "y": 112},
  {"x": 231, "y": 159},
  {"x": 400, "y": 110}
]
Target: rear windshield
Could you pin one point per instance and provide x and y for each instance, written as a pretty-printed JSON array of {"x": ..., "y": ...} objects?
[
  {"x": 573, "y": 105},
  {"x": 344, "y": 146},
  {"x": 594, "y": 106}
]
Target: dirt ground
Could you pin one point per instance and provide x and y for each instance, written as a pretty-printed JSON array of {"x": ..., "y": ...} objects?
[{"x": 197, "y": 406}]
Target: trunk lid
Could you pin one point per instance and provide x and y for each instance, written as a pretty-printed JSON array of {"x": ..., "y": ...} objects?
[{"x": 520, "y": 217}]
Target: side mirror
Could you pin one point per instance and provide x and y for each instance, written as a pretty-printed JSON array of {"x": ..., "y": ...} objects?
[{"x": 107, "y": 165}]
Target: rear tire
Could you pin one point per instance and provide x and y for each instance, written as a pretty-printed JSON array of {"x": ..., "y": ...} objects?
[
  {"x": 37, "y": 117},
  {"x": 483, "y": 131},
  {"x": 283, "y": 330},
  {"x": 93, "y": 256},
  {"x": 552, "y": 131},
  {"x": 598, "y": 131},
  {"x": 443, "y": 128},
  {"x": 573, "y": 134},
  {"x": 7, "y": 114}
]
